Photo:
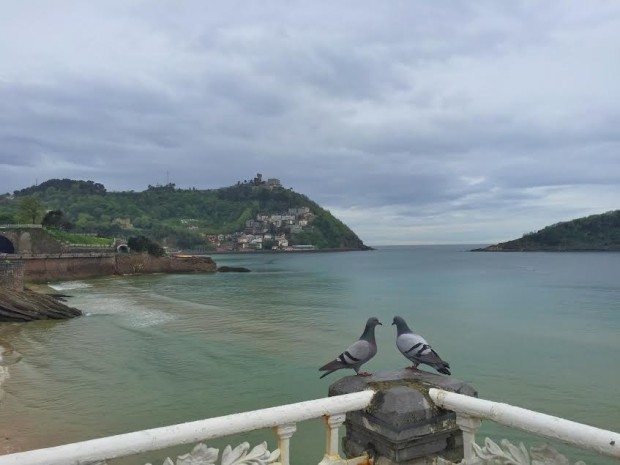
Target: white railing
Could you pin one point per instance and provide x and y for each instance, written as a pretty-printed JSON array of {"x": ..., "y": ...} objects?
[
  {"x": 470, "y": 411},
  {"x": 282, "y": 419}
]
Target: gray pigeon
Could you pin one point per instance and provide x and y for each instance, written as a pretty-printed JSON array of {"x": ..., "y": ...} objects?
[
  {"x": 357, "y": 353},
  {"x": 416, "y": 349}
]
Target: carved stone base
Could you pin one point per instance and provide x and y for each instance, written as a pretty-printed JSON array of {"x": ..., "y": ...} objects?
[{"x": 402, "y": 424}]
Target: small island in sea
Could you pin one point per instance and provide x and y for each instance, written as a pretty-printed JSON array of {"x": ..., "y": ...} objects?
[{"x": 590, "y": 233}]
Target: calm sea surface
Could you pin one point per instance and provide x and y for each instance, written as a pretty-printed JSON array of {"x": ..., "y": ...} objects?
[{"x": 538, "y": 330}]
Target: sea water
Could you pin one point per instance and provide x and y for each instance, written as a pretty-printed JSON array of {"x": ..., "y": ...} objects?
[{"x": 537, "y": 330}]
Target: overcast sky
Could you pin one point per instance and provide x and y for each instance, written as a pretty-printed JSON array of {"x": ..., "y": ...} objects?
[{"x": 414, "y": 122}]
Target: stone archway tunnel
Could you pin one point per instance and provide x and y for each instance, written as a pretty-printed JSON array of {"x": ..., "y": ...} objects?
[{"x": 6, "y": 246}]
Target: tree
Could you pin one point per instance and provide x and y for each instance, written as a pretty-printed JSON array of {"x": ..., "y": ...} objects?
[
  {"x": 30, "y": 209},
  {"x": 144, "y": 244},
  {"x": 268, "y": 244},
  {"x": 56, "y": 219},
  {"x": 6, "y": 218}
]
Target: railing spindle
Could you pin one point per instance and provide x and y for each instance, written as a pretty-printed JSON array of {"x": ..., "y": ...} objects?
[
  {"x": 468, "y": 425},
  {"x": 285, "y": 432},
  {"x": 332, "y": 424}
]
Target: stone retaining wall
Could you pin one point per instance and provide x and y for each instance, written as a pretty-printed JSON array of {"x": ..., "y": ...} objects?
[
  {"x": 144, "y": 263},
  {"x": 67, "y": 266},
  {"x": 11, "y": 275}
]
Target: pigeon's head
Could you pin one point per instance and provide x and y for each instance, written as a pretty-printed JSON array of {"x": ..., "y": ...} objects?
[
  {"x": 401, "y": 324},
  {"x": 373, "y": 321}
]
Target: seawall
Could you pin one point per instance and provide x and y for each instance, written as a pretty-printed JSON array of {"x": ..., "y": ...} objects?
[
  {"x": 64, "y": 266},
  {"x": 54, "y": 267},
  {"x": 144, "y": 263}
]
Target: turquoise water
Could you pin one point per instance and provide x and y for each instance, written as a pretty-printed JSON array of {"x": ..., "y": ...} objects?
[{"x": 538, "y": 330}]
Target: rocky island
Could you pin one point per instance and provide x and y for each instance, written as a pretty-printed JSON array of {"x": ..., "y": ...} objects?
[{"x": 591, "y": 233}]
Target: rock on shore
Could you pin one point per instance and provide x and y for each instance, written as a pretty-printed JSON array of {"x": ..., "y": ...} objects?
[
  {"x": 27, "y": 305},
  {"x": 233, "y": 269}
]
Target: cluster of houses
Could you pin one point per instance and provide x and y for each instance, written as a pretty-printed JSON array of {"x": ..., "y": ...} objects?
[{"x": 266, "y": 232}]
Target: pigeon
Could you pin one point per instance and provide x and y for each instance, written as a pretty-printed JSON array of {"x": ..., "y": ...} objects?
[
  {"x": 416, "y": 349},
  {"x": 357, "y": 353}
]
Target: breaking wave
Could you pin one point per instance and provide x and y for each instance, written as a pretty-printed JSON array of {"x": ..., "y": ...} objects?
[{"x": 70, "y": 285}]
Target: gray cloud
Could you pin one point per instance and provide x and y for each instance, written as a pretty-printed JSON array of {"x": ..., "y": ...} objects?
[{"x": 413, "y": 121}]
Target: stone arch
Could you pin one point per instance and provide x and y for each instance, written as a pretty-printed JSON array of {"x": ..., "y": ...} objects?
[
  {"x": 122, "y": 248},
  {"x": 6, "y": 246}
]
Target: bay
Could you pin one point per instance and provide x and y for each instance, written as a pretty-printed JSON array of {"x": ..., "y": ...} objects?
[{"x": 538, "y": 330}]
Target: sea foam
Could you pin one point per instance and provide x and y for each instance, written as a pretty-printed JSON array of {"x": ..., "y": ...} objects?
[{"x": 70, "y": 285}]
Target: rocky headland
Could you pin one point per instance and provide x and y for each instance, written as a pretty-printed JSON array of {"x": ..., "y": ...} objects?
[
  {"x": 591, "y": 233},
  {"x": 26, "y": 305}
]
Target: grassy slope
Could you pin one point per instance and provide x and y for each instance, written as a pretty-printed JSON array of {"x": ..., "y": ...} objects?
[
  {"x": 79, "y": 239},
  {"x": 595, "y": 232}
]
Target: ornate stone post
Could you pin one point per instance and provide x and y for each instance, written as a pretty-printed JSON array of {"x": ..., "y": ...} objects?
[{"x": 402, "y": 425}]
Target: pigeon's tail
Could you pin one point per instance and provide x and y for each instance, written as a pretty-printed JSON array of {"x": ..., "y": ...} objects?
[
  {"x": 327, "y": 373},
  {"x": 331, "y": 367},
  {"x": 443, "y": 369}
]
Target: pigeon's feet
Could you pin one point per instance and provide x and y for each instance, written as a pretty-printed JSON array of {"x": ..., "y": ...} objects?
[
  {"x": 364, "y": 373},
  {"x": 413, "y": 368}
]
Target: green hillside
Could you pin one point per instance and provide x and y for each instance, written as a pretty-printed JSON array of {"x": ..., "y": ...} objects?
[
  {"x": 595, "y": 232},
  {"x": 179, "y": 217}
]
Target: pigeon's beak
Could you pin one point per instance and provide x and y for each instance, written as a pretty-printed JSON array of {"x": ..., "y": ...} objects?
[{"x": 379, "y": 323}]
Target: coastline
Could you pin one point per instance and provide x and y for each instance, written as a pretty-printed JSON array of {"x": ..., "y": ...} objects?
[
  {"x": 243, "y": 252},
  {"x": 552, "y": 250}
]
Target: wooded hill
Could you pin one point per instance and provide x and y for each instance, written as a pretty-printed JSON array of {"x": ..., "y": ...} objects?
[
  {"x": 164, "y": 212},
  {"x": 595, "y": 232}
]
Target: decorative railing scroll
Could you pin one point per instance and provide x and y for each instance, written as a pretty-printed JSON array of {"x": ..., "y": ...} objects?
[
  {"x": 509, "y": 454},
  {"x": 240, "y": 455}
]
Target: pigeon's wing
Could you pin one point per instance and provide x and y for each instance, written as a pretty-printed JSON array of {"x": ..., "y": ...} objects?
[
  {"x": 409, "y": 343},
  {"x": 415, "y": 348},
  {"x": 430, "y": 357},
  {"x": 357, "y": 353}
]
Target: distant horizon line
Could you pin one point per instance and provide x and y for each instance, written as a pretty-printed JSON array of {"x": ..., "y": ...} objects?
[{"x": 423, "y": 244}]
